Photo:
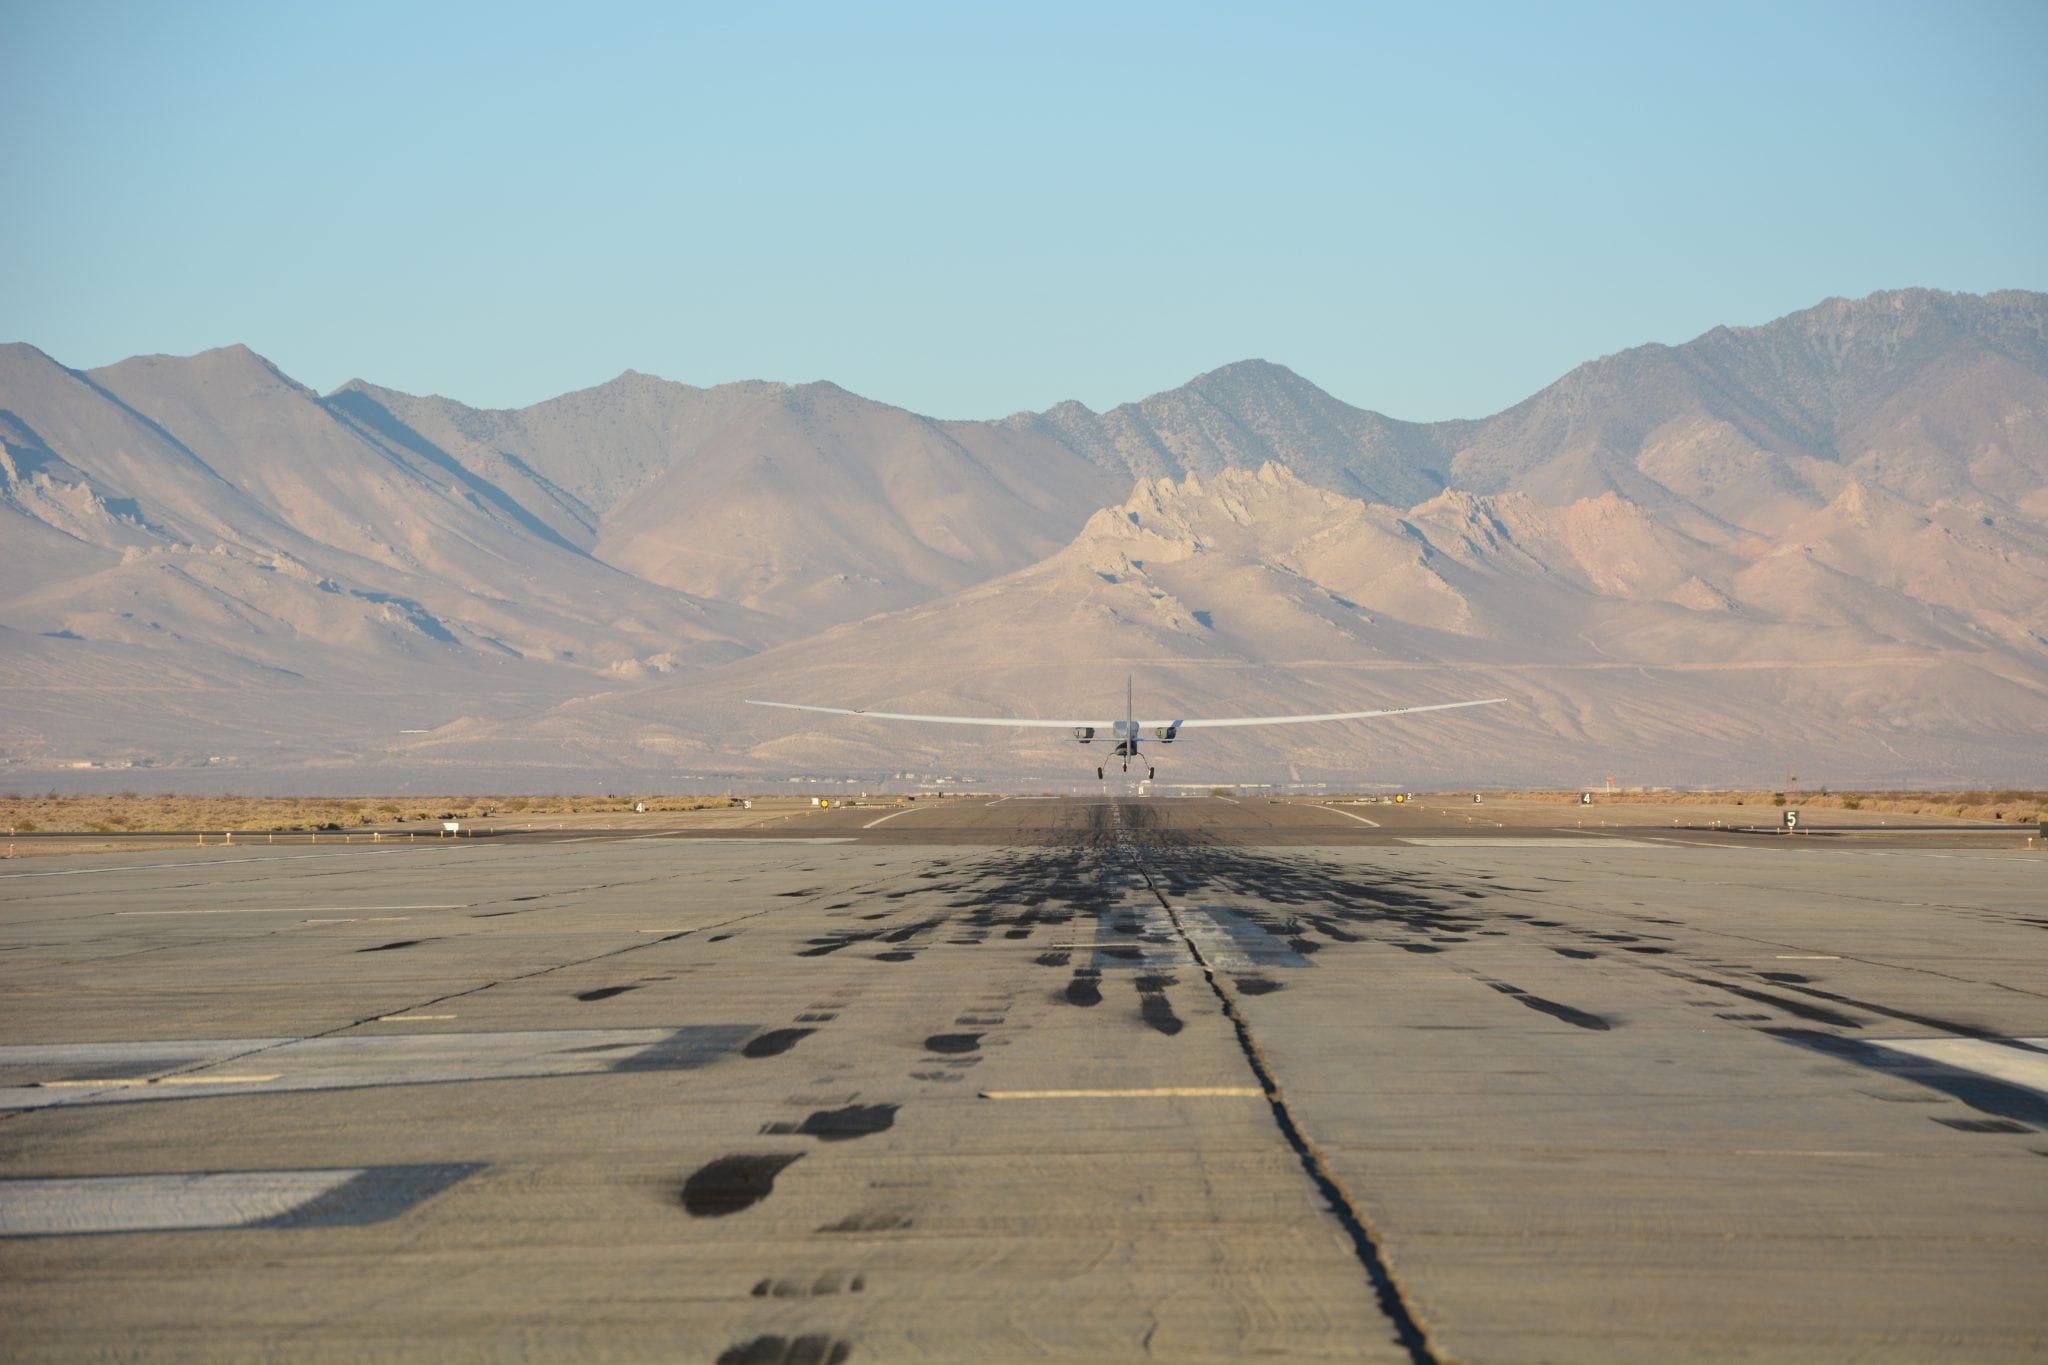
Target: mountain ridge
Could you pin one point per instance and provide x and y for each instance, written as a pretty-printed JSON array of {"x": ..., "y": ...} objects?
[
  {"x": 1230, "y": 594},
  {"x": 1864, "y": 479}
]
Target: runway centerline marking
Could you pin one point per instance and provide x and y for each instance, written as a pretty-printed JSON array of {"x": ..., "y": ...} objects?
[
  {"x": 280, "y": 909},
  {"x": 1164, "y": 1092},
  {"x": 760, "y": 839},
  {"x": 1567, "y": 840},
  {"x": 108, "y": 1081}
]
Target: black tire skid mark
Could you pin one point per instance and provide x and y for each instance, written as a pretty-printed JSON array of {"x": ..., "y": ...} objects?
[
  {"x": 1572, "y": 1015},
  {"x": 733, "y": 1183},
  {"x": 809, "y": 1349},
  {"x": 1155, "y": 1008},
  {"x": 774, "y": 1042},
  {"x": 845, "y": 1124}
]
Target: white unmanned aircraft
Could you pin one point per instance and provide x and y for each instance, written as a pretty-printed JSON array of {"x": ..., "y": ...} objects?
[{"x": 1126, "y": 733}]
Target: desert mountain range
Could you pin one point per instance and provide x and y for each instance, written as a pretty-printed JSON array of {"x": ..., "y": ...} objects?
[{"x": 1815, "y": 546}]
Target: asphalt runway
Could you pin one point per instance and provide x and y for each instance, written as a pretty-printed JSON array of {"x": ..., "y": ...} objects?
[{"x": 1193, "y": 1079}]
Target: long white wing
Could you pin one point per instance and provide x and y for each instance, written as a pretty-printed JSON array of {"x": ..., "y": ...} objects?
[
  {"x": 1144, "y": 724},
  {"x": 1333, "y": 715}
]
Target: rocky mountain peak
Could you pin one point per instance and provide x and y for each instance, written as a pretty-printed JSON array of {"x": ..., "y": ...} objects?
[
  {"x": 233, "y": 367},
  {"x": 1663, "y": 553}
]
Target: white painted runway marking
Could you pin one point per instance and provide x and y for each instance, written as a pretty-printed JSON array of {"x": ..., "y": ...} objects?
[
  {"x": 1234, "y": 943},
  {"x": 111, "y": 1082},
  {"x": 1349, "y": 816},
  {"x": 682, "y": 837},
  {"x": 354, "y": 1196},
  {"x": 1167, "y": 1092},
  {"x": 103, "y": 1073},
  {"x": 149, "y": 867},
  {"x": 198, "y": 864},
  {"x": 1560, "y": 842},
  {"x": 905, "y": 811},
  {"x": 158, "y": 1203},
  {"x": 774, "y": 839},
  {"x": 281, "y": 909},
  {"x": 2026, "y": 1066}
]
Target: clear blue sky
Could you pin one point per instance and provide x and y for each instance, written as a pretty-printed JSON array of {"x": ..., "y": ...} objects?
[{"x": 970, "y": 209}]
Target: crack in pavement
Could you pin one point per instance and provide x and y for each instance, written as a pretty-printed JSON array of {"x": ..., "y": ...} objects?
[{"x": 1366, "y": 1242}]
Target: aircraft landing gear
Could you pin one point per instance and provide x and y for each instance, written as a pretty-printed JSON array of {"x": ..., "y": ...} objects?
[
  {"x": 1098, "y": 774},
  {"x": 1151, "y": 773}
]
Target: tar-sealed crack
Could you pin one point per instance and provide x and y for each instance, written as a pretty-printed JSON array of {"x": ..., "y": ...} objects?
[{"x": 1365, "y": 1241}]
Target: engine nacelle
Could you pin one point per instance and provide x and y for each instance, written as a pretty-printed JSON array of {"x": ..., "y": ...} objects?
[
  {"x": 1166, "y": 733},
  {"x": 1085, "y": 733}
]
